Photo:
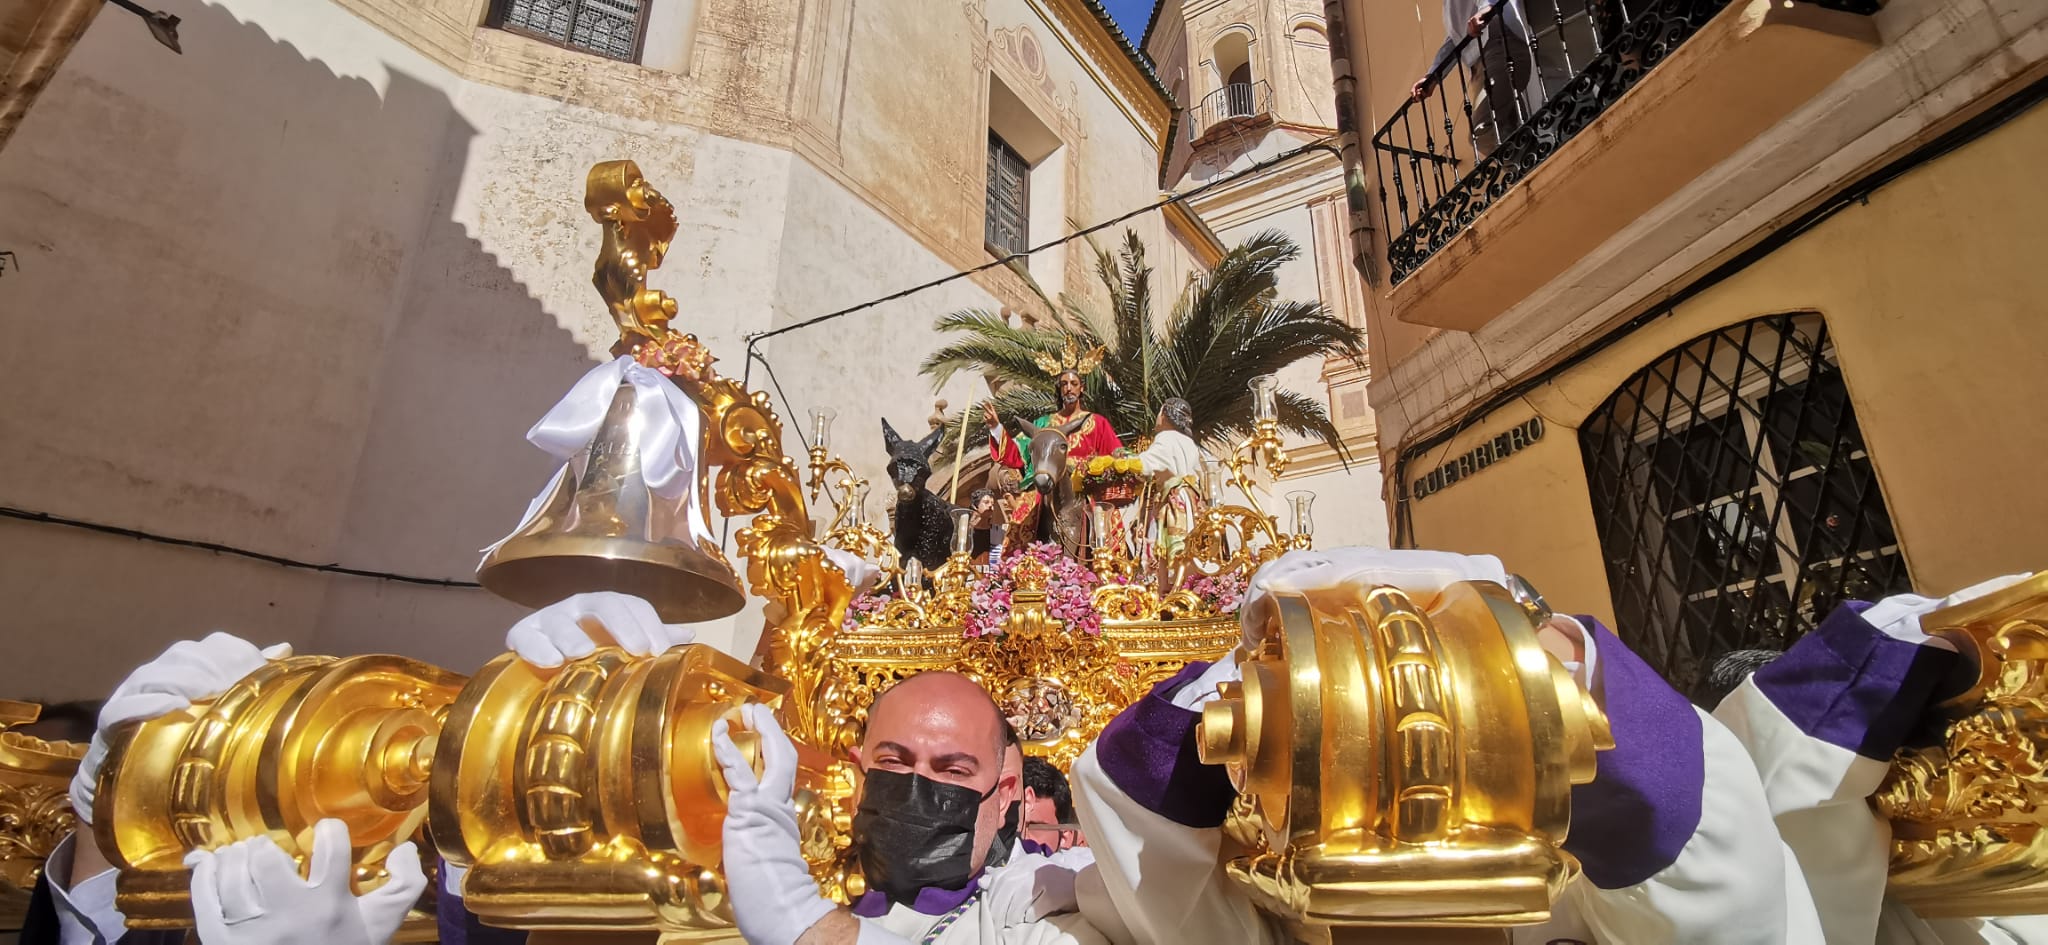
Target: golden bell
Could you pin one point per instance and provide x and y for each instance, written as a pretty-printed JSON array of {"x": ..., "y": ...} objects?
[
  {"x": 1402, "y": 766},
  {"x": 601, "y": 529},
  {"x": 297, "y": 741}
]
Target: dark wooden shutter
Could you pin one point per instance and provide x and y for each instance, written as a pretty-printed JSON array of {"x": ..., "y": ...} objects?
[{"x": 1009, "y": 199}]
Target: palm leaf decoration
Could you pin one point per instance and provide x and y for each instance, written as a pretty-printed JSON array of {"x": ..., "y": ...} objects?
[{"x": 1228, "y": 326}]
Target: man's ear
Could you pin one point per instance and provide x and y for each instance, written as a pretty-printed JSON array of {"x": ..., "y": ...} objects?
[{"x": 853, "y": 754}]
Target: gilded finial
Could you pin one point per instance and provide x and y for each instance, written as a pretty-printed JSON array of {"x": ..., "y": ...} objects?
[{"x": 638, "y": 225}]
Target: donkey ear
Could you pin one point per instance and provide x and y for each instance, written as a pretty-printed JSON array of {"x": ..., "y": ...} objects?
[
  {"x": 889, "y": 438},
  {"x": 1025, "y": 429},
  {"x": 930, "y": 444},
  {"x": 1073, "y": 426}
]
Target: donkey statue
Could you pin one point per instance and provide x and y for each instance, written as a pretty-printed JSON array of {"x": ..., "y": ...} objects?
[
  {"x": 1062, "y": 512},
  {"x": 924, "y": 523}
]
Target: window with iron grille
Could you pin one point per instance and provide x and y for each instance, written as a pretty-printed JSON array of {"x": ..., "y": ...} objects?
[
  {"x": 1009, "y": 199},
  {"x": 609, "y": 28},
  {"x": 1735, "y": 501}
]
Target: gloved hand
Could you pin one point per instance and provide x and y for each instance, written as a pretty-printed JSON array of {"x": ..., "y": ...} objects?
[
  {"x": 575, "y": 627},
  {"x": 1026, "y": 889},
  {"x": 189, "y": 671},
  {"x": 250, "y": 893},
  {"x": 774, "y": 899},
  {"x": 1423, "y": 574},
  {"x": 1898, "y": 616},
  {"x": 860, "y": 572}
]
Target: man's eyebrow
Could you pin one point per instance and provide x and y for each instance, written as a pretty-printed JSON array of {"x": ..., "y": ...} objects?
[
  {"x": 894, "y": 747},
  {"x": 969, "y": 758}
]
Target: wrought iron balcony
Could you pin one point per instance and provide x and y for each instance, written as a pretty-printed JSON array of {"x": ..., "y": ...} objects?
[
  {"x": 1498, "y": 103},
  {"x": 1236, "y": 101}
]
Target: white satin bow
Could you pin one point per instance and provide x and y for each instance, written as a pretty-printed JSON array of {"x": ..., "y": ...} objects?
[{"x": 668, "y": 422}]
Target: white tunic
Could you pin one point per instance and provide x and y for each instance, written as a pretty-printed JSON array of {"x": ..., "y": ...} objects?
[{"x": 1172, "y": 455}]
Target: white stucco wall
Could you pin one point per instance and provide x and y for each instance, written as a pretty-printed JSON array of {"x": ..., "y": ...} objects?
[{"x": 334, "y": 299}]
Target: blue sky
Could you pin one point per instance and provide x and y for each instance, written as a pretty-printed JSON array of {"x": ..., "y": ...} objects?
[{"x": 1131, "y": 16}]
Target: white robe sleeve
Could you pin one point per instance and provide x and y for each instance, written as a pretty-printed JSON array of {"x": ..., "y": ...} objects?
[
  {"x": 1153, "y": 814},
  {"x": 1671, "y": 832},
  {"x": 1821, "y": 724}
]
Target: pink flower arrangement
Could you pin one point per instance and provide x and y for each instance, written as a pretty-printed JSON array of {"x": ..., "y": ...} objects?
[
  {"x": 866, "y": 607},
  {"x": 1069, "y": 593},
  {"x": 1222, "y": 593}
]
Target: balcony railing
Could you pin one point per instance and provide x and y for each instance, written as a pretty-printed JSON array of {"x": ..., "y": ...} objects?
[
  {"x": 1504, "y": 100},
  {"x": 1234, "y": 101}
]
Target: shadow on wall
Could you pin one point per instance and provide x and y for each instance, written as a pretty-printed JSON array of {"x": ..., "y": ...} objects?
[{"x": 245, "y": 315}]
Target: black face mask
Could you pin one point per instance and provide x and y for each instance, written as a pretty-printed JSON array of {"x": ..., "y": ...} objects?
[
  {"x": 915, "y": 832},
  {"x": 1006, "y": 837}
]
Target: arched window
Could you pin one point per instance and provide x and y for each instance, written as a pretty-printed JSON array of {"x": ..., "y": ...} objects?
[
  {"x": 1313, "y": 71},
  {"x": 1734, "y": 498},
  {"x": 1233, "y": 58}
]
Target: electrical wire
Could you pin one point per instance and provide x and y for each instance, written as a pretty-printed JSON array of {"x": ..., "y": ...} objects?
[
  {"x": 1320, "y": 144},
  {"x": 217, "y": 548}
]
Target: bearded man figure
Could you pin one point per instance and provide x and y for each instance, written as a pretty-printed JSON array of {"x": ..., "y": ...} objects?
[{"x": 1090, "y": 433}]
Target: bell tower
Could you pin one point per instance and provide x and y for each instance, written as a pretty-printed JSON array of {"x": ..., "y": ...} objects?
[{"x": 1252, "y": 79}]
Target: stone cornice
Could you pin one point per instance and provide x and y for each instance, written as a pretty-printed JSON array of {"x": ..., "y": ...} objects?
[{"x": 1135, "y": 89}]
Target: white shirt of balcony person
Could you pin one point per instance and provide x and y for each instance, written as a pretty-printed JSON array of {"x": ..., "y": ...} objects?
[{"x": 1497, "y": 64}]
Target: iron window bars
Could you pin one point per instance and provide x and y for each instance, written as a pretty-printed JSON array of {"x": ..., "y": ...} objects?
[
  {"x": 1499, "y": 103},
  {"x": 610, "y": 28},
  {"x": 1735, "y": 501}
]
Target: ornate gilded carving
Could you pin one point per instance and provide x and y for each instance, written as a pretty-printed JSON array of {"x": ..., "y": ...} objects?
[
  {"x": 35, "y": 805},
  {"x": 1405, "y": 766},
  {"x": 1967, "y": 811}
]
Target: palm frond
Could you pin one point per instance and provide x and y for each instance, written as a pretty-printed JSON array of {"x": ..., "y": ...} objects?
[{"x": 1227, "y": 326}]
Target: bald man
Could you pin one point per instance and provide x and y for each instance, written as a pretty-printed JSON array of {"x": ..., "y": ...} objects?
[{"x": 941, "y": 780}]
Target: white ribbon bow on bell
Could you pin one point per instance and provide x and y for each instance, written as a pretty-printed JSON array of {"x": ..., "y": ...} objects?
[{"x": 668, "y": 420}]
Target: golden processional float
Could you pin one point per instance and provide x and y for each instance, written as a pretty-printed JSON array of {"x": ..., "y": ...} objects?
[{"x": 1402, "y": 761}]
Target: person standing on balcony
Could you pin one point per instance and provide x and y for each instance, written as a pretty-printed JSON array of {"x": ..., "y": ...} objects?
[{"x": 1498, "y": 60}]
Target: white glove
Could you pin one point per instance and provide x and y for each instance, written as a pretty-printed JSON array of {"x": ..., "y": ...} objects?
[
  {"x": 1203, "y": 688},
  {"x": 1027, "y": 889},
  {"x": 250, "y": 893},
  {"x": 774, "y": 899},
  {"x": 1423, "y": 574},
  {"x": 1898, "y": 616},
  {"x": 189, "y": 671},
  {"x": 575, "y": 627},
  {"x": 860, "y": 572}
]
